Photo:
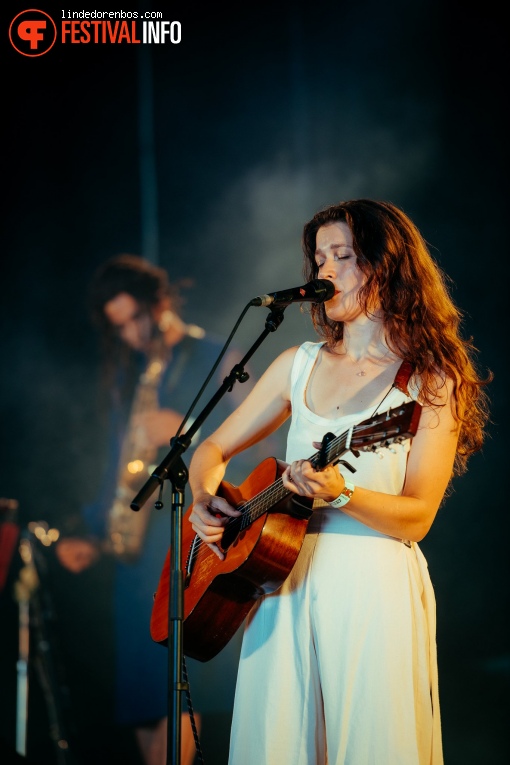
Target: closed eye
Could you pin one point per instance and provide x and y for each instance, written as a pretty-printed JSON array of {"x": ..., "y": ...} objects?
[{"x": 321, "y": 263}]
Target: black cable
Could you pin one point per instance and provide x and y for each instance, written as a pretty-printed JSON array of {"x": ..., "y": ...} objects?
[{"x": 214, "y": 368}]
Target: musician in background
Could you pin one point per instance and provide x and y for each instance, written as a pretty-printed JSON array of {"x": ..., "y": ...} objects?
[
  {"x": 339, "y": 664},
  {"x": 153, "y": 366}
]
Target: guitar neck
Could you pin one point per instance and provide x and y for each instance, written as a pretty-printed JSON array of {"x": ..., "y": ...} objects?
[
  {"x": 271, "y": 495},
  {"x": 379, "y": 431}
]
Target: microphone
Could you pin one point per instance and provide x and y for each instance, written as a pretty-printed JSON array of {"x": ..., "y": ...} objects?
[{"x": 316, "y": 291}]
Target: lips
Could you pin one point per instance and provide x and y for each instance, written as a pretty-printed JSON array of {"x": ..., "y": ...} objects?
[{"x": 335, "y": 294}]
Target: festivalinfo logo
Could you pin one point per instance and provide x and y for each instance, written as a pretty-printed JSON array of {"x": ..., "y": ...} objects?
[{"x": 34, "y": 32}]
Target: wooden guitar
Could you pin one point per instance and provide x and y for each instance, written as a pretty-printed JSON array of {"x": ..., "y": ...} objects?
[{"x": 262, "y": 544}]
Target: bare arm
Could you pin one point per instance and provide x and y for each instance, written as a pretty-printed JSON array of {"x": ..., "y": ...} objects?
[
  {"x": 429, "y": 468},
  {"x": 265, "y": 408}
]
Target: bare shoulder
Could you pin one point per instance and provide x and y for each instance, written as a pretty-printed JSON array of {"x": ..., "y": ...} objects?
[
  {"x": 276, "y": 378},
  {"x": 282, "y": 365},
  {"x": 286, "y": 358}
]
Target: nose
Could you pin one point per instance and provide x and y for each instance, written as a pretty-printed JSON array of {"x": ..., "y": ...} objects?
[{"x": 327, "y": 270}]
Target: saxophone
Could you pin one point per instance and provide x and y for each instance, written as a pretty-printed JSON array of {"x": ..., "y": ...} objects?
[{"x": 126, "y": 528}]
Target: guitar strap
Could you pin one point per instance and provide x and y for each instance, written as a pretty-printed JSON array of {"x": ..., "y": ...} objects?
[
  {"x": 403, "y": 376},
  {"x": 400, "y": 382}
]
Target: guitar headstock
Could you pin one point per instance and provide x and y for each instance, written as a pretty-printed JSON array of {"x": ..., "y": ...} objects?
[
  {"x": 387, "y": 428},
  {"x": 378, "y": 432}
]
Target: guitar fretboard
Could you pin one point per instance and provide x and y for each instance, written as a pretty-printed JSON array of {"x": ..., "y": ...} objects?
[{"x": 380, "y": 431}]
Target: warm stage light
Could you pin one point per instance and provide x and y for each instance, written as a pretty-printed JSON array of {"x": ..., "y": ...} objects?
[{"x": 136, "y": 466}]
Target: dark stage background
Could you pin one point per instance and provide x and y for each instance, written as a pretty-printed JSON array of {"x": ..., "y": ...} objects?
[{"x": 208, "y": 156}]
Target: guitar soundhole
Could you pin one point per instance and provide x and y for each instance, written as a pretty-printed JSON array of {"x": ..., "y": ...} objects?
[{"x": 231, "y": 534}]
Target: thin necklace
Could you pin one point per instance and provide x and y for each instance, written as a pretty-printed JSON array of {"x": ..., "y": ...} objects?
[{"x": 362, "y": 372}]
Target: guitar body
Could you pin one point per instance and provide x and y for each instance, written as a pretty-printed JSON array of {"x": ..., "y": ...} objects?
[
  {"x": 262, "y": 545},
  {"x": 218, "y": 595}
]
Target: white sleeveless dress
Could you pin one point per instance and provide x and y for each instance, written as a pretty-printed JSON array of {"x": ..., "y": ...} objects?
[{"x": 339, "y": 666}]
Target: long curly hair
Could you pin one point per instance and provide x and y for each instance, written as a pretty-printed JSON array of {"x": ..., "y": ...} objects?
[
  {"x": 145, "y": 282},
  {"x": 421, "y": 321}
]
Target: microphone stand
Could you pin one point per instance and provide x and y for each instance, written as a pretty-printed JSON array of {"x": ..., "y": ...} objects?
[{"x": 173, "y": 468}]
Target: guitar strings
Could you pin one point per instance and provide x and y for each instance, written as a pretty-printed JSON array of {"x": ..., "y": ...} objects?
[
  {"x": 257, "y": 505},
  {"x": 276, "y": 491}
]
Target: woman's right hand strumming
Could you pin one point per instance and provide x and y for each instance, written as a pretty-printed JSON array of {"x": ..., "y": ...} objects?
[
  {"x": 209, "y": 517},
  {"x": 265, "y": 408}
]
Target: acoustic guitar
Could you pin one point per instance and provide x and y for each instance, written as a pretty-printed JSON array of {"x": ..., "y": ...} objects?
[{"x": 261, "y": 545}]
